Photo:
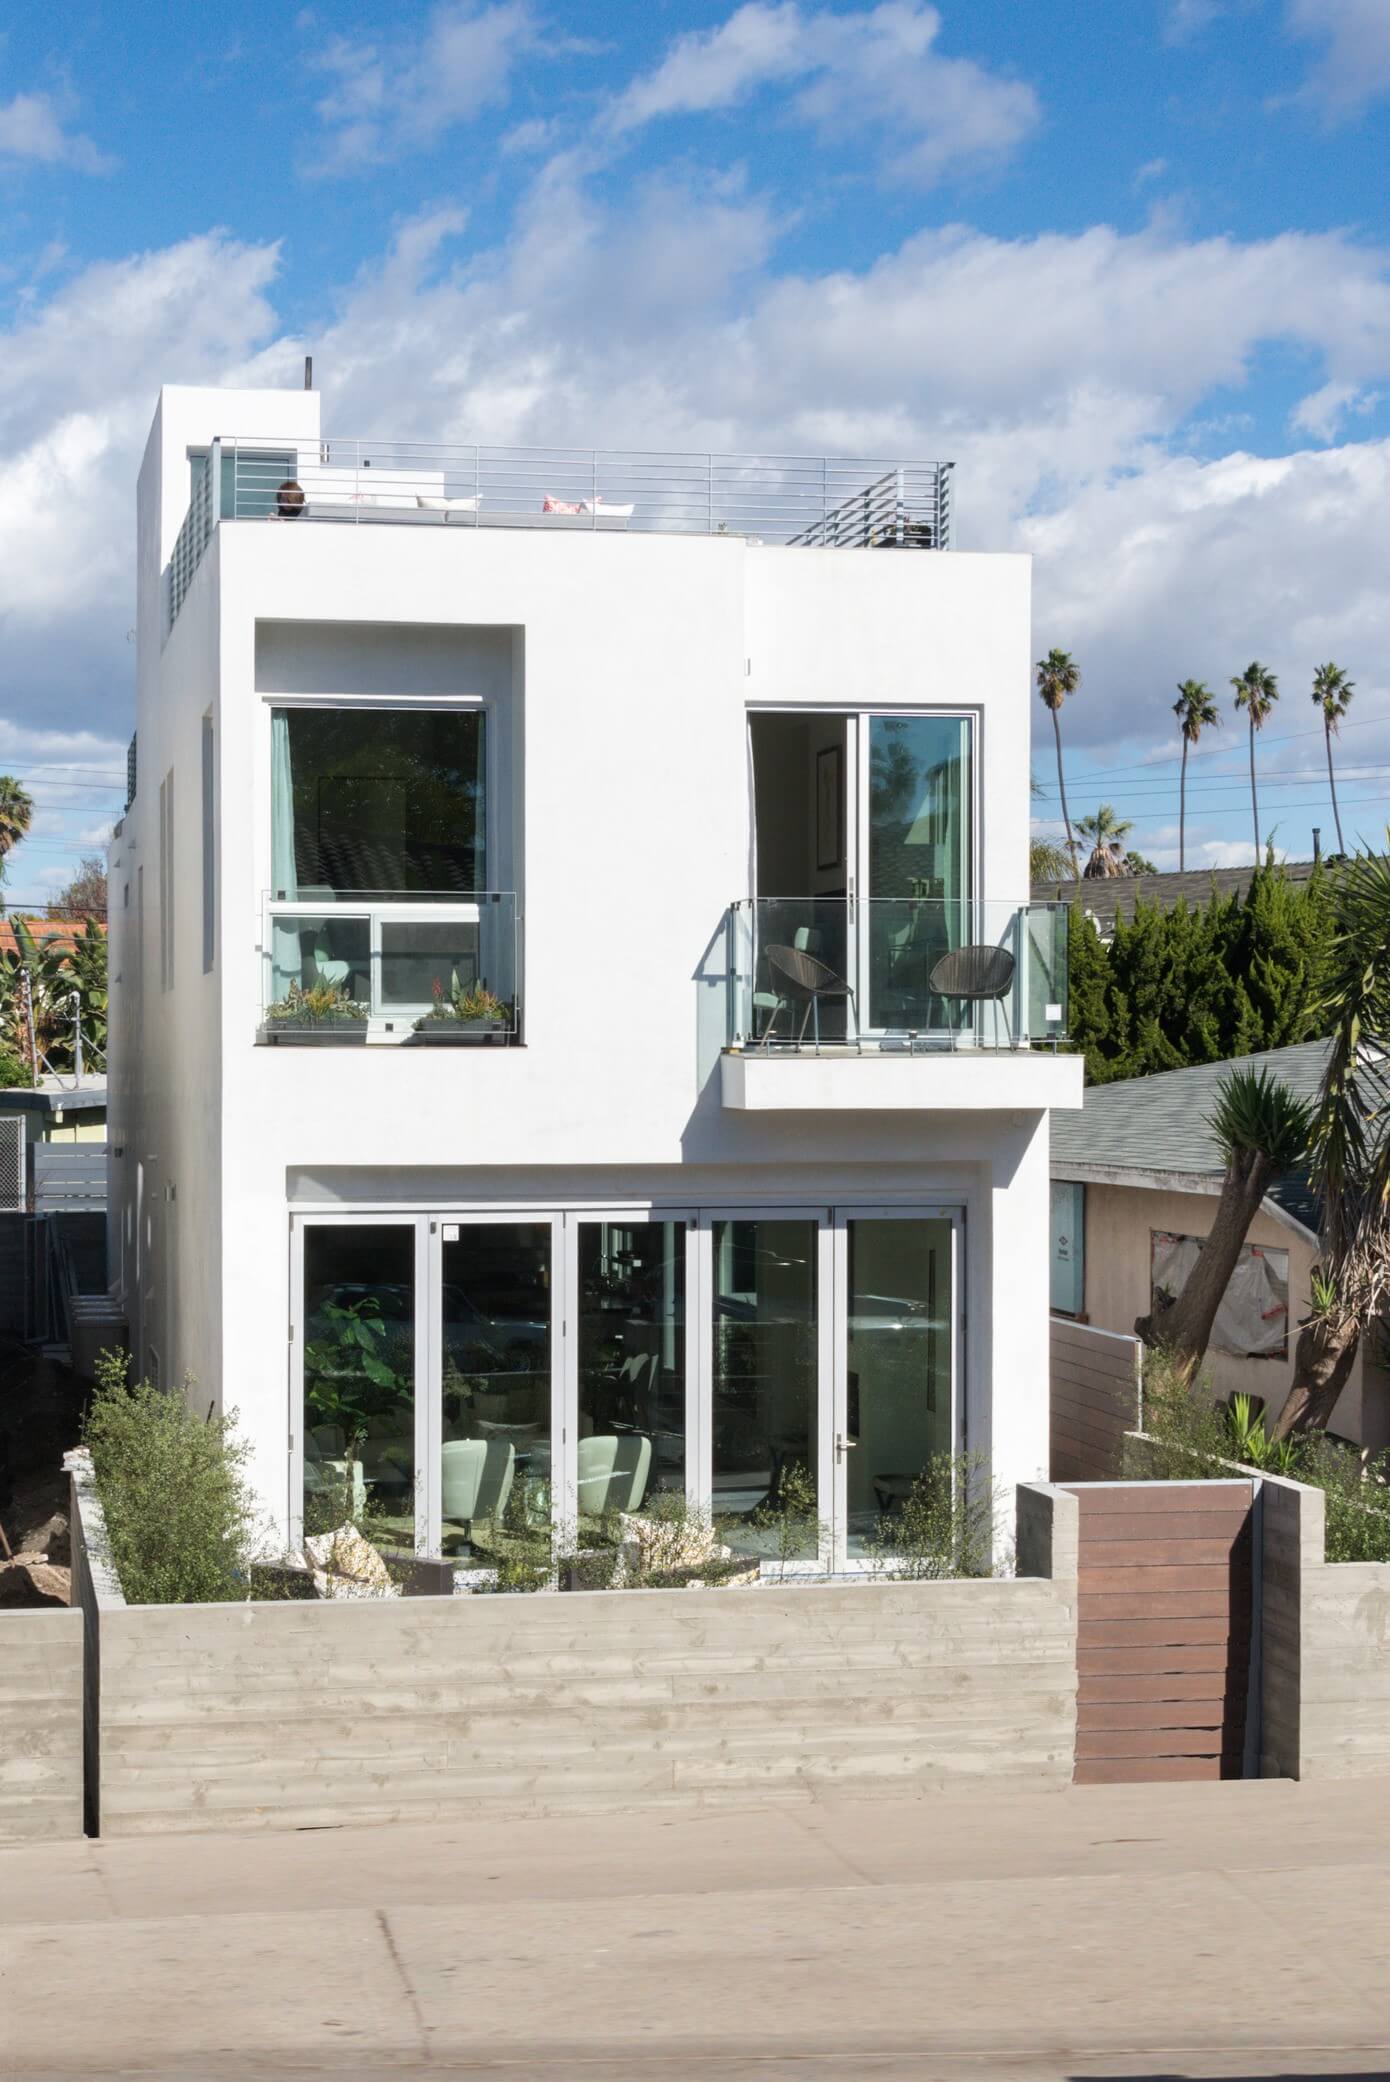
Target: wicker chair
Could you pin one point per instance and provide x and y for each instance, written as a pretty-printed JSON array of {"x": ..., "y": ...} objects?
[
  {"x": 801, "y": 979},
  {"x": 974, "y": 976}
]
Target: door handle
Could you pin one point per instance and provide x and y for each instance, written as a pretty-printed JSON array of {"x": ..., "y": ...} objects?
[{"x": 844, "y": 1445}]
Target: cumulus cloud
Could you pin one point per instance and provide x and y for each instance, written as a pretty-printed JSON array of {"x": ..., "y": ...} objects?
[
  {"x": 34, "y": 130},
  {"x": 386, "y": 102},
  {"x": 1061, "y": 372},
  {"x": 1355, "y": 64},
  {"x": 874, "y": 71}
]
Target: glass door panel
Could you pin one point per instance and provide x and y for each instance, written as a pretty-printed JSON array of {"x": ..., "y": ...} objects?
[
  {"x": 899, "y": 1411},
  {"x": 359, "y": 1379},
  {"x": 495, "y": 1433},
  {"x": 917, "y": 852},
  {"x": 631, "y": 1322},
  {"x": 765, "y": 1380}
]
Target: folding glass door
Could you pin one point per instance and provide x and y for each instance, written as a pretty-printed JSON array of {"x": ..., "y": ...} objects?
[
  {"x": 462, "y": 1383},
  {"x": 896, "y": 1367}
]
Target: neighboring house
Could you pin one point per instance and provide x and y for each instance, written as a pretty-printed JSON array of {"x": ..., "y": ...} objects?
[
  {"x": 626, "y": 770},
  {"x": 1135, "y": 1178},
  {"x": 53, "y": 1168},
  {"x": 1106, "y": 898}
]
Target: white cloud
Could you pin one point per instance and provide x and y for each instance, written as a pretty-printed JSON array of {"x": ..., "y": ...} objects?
[
  {"x": 1151, "y": 170},
  {"x": 386, "y": 103},
  {"x": 1355, "y": 65},
  {"x": 34, "y": 130},
  {"x": 873, "y": 71}
]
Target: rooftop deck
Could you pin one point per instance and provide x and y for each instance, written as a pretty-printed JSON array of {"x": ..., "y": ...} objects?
[{"x": 834, "y": 502}]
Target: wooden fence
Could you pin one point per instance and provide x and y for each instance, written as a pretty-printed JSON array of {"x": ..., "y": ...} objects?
[{"x": 1097, "y": 1386}]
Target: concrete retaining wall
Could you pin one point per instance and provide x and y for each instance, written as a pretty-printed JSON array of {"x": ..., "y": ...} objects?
[
  {"x": 1326, "y": 1647},
  {"x": 40, "y": 1725},
  {"x": 302, "y": 1715}
]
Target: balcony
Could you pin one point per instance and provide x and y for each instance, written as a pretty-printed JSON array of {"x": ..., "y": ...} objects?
[
  {"x": 425, "y": 973},
  {"x": 834, "y": 502},
  {"x": 896, "y": 1003}
]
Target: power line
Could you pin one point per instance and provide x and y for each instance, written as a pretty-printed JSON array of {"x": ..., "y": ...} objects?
[{"x": 1286, "y": 737}]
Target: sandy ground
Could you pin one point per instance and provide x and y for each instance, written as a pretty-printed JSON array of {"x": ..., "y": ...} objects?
[{"x": 1234, "y": 1930}]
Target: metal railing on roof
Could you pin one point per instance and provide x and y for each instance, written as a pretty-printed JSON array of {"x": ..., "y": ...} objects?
[{"x": 842, "y": 502}]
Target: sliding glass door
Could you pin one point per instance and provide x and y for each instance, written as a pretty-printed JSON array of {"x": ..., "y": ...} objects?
[{"x": 915, "y": 856}]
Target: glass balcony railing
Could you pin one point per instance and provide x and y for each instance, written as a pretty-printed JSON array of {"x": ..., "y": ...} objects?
[
  {"x": 894, "y": 973},
  {"x": 422, "y": 970}
]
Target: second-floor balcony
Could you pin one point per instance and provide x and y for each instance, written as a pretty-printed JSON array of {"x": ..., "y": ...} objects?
[{"x": 836, "y": 502}]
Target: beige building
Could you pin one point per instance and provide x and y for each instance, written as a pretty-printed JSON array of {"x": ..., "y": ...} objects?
[{"x": 1135, "y": 1177}]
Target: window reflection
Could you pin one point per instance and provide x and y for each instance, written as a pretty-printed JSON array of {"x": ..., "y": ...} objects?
[
  {"x": 359, "y": 1380},
  {"x": 631, "y": 1435},
  {"x": 495, "y": 1452},
  {"x": 765, "y": 1384}
]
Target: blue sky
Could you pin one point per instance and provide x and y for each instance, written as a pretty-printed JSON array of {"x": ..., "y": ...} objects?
[{"x": 1126, "y": 263}]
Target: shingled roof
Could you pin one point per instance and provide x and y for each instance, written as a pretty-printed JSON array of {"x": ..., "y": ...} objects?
[
  {"x": 1153, "y": 1130},
  {"x": 1110, "y": 896}
]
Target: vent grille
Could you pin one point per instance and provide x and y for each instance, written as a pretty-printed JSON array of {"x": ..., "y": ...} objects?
[{"x": 14, "y": 1178}]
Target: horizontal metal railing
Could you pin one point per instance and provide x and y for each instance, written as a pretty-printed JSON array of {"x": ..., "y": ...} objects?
[
  {"x": 844, "y": 502},
  {"x": 895, "y": 972}
]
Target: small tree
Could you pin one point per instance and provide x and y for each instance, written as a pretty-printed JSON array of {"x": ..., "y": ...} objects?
[
  {"x": 85, "y": 895},
  {"x": 173, "y": 1490},
  {"x": 1262, "y": 1129}
]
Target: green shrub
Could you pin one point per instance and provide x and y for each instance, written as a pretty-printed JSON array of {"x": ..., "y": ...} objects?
[
  {"x": 14, "y": 1071},
  {"x": 944, "y": 1526},
  {"x": 172, "y": 1486},
  {"x": 1190, "y": 1438}
]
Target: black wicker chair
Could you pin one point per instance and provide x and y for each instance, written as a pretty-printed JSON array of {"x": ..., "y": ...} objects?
[
  {"x": 975, "y": 976},
  {"x": 800, "y": 979}
]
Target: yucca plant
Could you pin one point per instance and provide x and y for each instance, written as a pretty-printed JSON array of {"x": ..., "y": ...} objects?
[{"x": 1262, "y": 1130}]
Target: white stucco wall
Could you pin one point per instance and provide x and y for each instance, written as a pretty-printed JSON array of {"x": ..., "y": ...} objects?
[{"x": 625, "y": 665}]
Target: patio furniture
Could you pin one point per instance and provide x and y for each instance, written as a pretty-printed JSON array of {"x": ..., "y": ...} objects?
[
  {"x": 807, "y": 941},
  {"x": 475, "y": 1480},
  {"x": 801, "y": 979},
  {"x": 973, "y": 976},
  {"x": 613, "y": 1472}
]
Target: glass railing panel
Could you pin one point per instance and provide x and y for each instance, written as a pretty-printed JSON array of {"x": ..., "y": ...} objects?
[
  {"x": 446, "y": 973},
  {"x": 895, "y": 973}
]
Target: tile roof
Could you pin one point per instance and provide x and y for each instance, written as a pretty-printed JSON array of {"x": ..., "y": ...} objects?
[
  {"x": 1159, "y": 1124},
  {"x": 1110, "y": 896}
]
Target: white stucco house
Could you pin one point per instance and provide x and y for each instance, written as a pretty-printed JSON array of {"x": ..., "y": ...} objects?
[{"x": 543, "y": 1064}]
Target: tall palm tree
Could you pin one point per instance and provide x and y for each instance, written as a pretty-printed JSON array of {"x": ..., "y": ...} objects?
[
  {"x": 1332, "y": 691},
  {"x": 1060, "y": 675},
  {"x": 1107, "y": 834},
  {"x": 1196, "y": 711},
  {"x": 1257, "y": 690},
  {"x": 16, "y": 815}
]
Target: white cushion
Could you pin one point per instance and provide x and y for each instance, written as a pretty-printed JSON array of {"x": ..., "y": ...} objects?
[
  {"x": 605, "y": 506},
  {"x": 446, "y": 505}
]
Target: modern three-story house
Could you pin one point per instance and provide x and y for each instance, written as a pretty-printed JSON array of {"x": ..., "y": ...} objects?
[{"x": 579, "y": 1028}]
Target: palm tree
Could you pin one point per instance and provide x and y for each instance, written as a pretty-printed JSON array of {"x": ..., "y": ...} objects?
[
  {"x": 1350, "y": 1147},
  {"x": 1047, "y": 861},
  {"x": 1107, "y": 834},
  {"x": 1332, "y": 691},
  {"x": 16, "y": 815},
  {"x": 1060, "y": 675},
  {"x": 1257, "y": 690},
  {"x": 1262, "y": 1129},
  {"x": 1196, "y": 711}
]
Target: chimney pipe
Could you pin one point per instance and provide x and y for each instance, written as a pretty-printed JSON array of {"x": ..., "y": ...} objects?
[
  {"x": 308, "y": 372},
  {"x": 1317, "y": 842}
]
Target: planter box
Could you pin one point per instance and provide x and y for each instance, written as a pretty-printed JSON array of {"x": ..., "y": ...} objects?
[
  {"x": 447, "y": 1033},
  {"x": 317, "y": 1037}
]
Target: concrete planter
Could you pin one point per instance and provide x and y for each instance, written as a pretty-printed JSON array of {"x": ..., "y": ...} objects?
[
  {"x": 447, "y": 1033},
  {"x": 350, "y": 1032}
]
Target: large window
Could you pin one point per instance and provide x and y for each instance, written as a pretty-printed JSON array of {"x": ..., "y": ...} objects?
[
  {"x": 631, "y": 1364},
  {"x": 766, "y": 1379},
  {"x": 386, "y": 803}
]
